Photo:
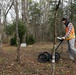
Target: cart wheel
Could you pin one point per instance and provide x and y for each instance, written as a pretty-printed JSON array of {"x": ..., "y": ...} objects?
[
  {"x": 57, "y": 57},
  {"x": 42, "y": 58},
  {"x": 47, "y": 55}
]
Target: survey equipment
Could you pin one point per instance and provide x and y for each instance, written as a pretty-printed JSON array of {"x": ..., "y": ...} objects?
[{"x": 47, "y": 57}]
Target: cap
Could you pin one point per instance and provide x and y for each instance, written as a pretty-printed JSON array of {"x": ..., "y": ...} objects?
[{"x": 63, "y": 19}]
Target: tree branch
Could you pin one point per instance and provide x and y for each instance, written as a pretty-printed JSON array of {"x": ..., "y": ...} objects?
[
  {"x": 9, "y": 8},
  {"x": 57, "y": 6}
]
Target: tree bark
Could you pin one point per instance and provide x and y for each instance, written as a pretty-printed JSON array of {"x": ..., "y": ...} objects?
[
  {"x": 0, "y": 32},
  {"x": 17, "y": 35},
  {"x": 55, "y": 34},
  {"x": 25, "y": 16}
]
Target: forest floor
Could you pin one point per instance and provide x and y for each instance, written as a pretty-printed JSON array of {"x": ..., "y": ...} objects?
[{"x": 29, "y": 61}]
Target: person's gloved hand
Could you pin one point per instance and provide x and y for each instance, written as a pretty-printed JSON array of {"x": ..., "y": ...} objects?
[{"x": 63, "y": 37}]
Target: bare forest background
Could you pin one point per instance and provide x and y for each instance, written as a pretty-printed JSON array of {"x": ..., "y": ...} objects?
[{"x": 37, "y": 18}]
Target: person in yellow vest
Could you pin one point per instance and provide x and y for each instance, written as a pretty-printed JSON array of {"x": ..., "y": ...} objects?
[{"x": 70, "y": 37}]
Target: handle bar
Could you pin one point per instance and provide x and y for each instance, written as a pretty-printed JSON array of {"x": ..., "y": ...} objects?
[{"x": 60, "y": 38}]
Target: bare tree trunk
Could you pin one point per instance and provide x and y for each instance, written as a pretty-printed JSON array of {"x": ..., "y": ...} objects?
[
  {"x": 71, "y": 11},
  {"x": 25, "y": 16},
  {"x": 4, "y": 24},
  {"x": 44, "y": 19},
  {"x": 5, "y": 12},
  {"x": 55, "y": 34},
  {"x": 23, "y": 11},
  {"x": 61, "y": 30},
  {"x": 0, "y": 32},
  {"x": 17, "y": 35}
]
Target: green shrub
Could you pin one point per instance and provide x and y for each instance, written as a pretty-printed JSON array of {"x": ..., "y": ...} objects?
[
  {"x": 29, "y": 40},
  {"x": 11, "y": 28},
  {"x": 13, "y": 41}
]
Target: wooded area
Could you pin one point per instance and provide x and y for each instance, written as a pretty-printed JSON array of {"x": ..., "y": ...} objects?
[
  {"x": 34, "y": 21},
  {"x": 37, "y": 16}
]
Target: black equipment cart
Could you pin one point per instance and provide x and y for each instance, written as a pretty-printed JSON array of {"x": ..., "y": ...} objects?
[{"x": 47, "y": 57}]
